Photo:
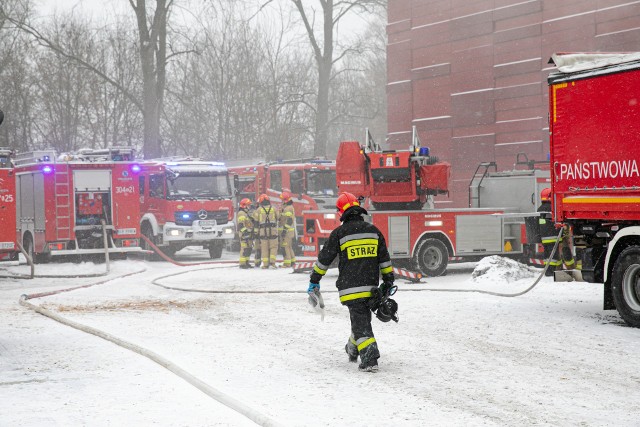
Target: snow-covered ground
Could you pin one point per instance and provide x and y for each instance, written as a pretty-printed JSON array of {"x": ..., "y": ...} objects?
[{"x": 549, "y": 357}]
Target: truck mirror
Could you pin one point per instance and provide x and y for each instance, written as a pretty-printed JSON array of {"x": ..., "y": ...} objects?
[{"x": 1, "y": 116}]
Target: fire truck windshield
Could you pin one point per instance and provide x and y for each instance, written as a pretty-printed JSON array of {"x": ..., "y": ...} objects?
[
  {"x": 321, "y": 183},
  {"x": 186, "y": 186}
]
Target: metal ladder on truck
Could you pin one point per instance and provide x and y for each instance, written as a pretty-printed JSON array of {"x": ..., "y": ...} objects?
[{"x": 476, "y": 181}]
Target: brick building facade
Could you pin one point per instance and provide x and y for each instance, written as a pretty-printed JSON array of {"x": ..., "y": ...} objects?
[{"x": 471, "y": 74}]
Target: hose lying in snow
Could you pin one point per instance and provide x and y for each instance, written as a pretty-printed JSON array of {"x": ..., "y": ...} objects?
[
  {"x": 212, "y": 291},
  {"x": 74, "y": 276},
  {"x": 500, "y": 294},
  {"x": 167, "y": 258},
  {"x": 226, "y": 400}
]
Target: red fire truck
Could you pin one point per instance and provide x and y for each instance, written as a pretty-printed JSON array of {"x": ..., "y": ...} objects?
[
  {"x": 186, "y": 202},
  {"x": 400, "y": 186},
  {"x": 312, "y": 182},
  {"x": 64, "y": 203},
  {"x": 594, "y": 123},
  {"x": 8, "y": 249}
]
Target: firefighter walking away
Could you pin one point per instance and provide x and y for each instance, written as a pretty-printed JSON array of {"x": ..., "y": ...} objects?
[
  {"x": 362, "y": 257},
  {"x": 549, "y": 236}
]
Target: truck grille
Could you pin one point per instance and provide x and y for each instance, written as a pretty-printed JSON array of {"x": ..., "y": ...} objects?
[{"x": 187, "y": 217}]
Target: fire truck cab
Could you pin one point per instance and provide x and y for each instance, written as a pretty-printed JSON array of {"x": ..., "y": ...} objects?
[
  {"x": 64, "y": 203},
  {"x": 311, "y": 182},
  {"x": 186, "y": 202}
]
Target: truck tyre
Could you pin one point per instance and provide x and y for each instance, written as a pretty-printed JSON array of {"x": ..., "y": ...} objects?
[
  {"x": 625, "y": 283},
  {"x": 147, "y": 231},
  {"x": 431, "y": 258},
  {"x": 215, "y": 249}
]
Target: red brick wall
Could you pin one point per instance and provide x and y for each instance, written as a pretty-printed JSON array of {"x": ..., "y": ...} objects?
[{"x": 471, "y": 74}]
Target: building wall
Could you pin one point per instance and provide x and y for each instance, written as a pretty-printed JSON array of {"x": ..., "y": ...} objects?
[{"x": 471, "y": 74}]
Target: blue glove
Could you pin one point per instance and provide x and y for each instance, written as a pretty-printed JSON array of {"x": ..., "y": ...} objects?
[{"x": 312, "y": 286}]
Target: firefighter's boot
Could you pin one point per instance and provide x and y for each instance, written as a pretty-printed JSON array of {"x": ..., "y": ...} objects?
[
  {"x": 353, "y": 358},
  {"x": 370, "y": 366}
]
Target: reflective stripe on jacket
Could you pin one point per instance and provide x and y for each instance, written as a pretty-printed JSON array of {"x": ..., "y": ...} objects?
[{"x": 362, "y": 256}]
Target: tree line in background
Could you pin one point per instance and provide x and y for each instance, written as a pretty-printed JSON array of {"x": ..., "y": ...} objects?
[{"x": 224, "y": 86}]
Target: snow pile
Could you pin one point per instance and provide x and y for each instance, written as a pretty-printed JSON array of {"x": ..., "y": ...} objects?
[{"x": 495, "y": 268}]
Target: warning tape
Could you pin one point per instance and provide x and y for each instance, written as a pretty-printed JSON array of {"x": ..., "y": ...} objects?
[{"x": 303, "y": 267}]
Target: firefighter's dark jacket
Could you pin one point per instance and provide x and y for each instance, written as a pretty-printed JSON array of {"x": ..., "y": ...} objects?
[
  {"x": 363, "y": 256},
  {"x": 546, "y": 225}
]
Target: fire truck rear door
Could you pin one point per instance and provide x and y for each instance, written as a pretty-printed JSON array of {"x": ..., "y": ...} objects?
[
  {"x": 92, "y": 180},
  {"x": 398, "y": 236}
]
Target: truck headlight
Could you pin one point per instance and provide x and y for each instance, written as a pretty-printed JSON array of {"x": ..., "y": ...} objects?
[{"x": 174, "y": 232}]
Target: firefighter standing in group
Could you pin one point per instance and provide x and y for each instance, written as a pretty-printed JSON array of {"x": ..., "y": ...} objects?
[
  {"x": 266, "y": 217},
  {"x": 287, "y": 228},
  {"x": 245, "y": 231},
  {"x": 363, "y": 256},
  {"x": 257, "y": 246},
  {"x": 549, "y": 236}
]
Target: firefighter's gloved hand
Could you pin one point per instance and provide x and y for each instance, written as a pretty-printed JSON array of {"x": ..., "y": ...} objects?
[
  {"x": 312, "y": 286},
  {"x": 384, "y": 287}
]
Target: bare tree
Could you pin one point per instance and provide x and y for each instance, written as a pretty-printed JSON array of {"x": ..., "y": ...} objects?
[
  {"x": 324, "y": 46},
  {"x": 359, "y": 90},
  {"x": 152, "y": 36},
  {"x": 152, "y": 33}
]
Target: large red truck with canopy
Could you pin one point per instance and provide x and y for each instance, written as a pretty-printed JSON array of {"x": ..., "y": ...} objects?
[{"x": 594, "y": 125}]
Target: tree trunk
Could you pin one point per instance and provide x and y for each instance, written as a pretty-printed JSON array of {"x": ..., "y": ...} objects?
[{"x": 152, "y": 56}]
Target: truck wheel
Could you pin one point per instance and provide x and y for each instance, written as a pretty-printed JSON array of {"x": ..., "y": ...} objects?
[
  {"x": 432, "y": 258},
  {"x": 215, "y": 249},
  {"x": 147, "y": 231},
  {"x": 625, "y": 283}
]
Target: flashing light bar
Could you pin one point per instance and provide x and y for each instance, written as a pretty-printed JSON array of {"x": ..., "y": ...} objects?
[
  {"x": 136, "y": 168},
  {"x": 47, "y": 169}
]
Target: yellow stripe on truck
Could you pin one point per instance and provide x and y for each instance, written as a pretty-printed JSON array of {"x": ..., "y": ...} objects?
[{"x": 570, "y": 200}]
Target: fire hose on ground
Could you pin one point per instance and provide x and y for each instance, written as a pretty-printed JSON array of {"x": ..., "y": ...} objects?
[
  {"x": 31, "y": 264},
  {"x": 210, "y": 391}
]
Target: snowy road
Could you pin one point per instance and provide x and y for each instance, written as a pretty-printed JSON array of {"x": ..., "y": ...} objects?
[{"x": 549, "y": 357}]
